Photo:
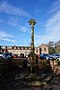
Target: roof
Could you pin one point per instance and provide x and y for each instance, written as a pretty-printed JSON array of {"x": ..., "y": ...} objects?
[{"x": 43, "y": 45}]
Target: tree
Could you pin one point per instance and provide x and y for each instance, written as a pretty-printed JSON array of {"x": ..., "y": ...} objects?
[
  {"x": 57, "y": 46},
  {"x": 51, "y": 46},
  {"x": 54, "y": 47}
]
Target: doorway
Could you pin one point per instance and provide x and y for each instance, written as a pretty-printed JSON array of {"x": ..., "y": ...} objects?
[{"x": 40, "y": 50}]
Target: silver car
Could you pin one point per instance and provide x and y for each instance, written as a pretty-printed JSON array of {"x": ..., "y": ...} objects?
[
  {"x": 58, "y": 58},
  {"x": 1, "y": 55}
]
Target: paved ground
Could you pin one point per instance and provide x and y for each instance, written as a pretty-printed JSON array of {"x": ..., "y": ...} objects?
[{"x": 19, "y": 79}]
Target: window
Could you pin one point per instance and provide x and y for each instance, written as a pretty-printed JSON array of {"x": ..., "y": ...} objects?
[
  {"x": 25, "y": 47},
  {"x": 21, "y": 47},
  {"x": 16, "y": 47},
  {"x": 9, "y": 47},
  {"x": 29, "y": 48},
  {"x": 44, "y": 49},
  {"x": 12, "y": 47}
]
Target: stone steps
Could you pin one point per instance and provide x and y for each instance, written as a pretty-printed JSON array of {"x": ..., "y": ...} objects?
[
  {"x": 27, "y": 80},
  {"x": 47, "y": 79}
]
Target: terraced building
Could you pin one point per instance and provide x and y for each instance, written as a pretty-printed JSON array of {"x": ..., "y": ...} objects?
[{"x": 43, "y": 48}]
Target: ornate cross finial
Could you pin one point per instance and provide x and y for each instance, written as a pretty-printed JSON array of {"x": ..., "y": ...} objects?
[{"x": 32, "y": 22}]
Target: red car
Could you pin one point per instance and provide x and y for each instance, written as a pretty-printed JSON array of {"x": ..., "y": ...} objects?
[
  {"x": 14, "y": 56},
  {"x": 38, "y": 56}
]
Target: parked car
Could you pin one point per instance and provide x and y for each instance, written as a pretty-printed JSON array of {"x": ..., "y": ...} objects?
[
  {"x": 26, "y": 56},
  {"x": 21, "y": 55},
  {"x": 38, "y": 56},
  {"x": 54, "y": 56},
  {"x": 46, "y": 56},
  {"x": 50, "y": 57},
  {"x": 14, "y": 56},
  {"x": 7, "y": 55},
  {"x": 58, "y": 56},
  {"x": 1, "y": 55}
]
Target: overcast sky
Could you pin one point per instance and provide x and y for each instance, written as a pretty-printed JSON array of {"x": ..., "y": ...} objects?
[{"x": 14, "y": 17}]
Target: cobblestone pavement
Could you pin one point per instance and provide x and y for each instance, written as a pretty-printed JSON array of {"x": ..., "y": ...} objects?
[{"x": 17, "y": 81}]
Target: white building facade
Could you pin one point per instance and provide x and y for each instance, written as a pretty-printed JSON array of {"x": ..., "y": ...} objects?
[{"x": 43, "y": 48}]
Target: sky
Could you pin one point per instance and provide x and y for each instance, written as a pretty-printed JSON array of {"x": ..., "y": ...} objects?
[{"x": 14, "y": 17}]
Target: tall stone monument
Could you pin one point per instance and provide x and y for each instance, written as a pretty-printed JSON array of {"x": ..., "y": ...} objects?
[{"x": 32, "y": 56}]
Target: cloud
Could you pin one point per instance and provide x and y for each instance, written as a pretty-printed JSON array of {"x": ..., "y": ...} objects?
[
  {"x": 52, "y": 27},
  {"x": 6, "y": 37},
  {"x": 53, "y": 20},
  {"x": 4, "y": 34},
  {"x": 23, "y": 29},
  {"x": 55, "y": 7},
  {"x": 13, "y": 21},
  {"x": 10, "y": 9},
  {"x": 39, "y": 39},
  {"x": 53, "y": 23}
]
